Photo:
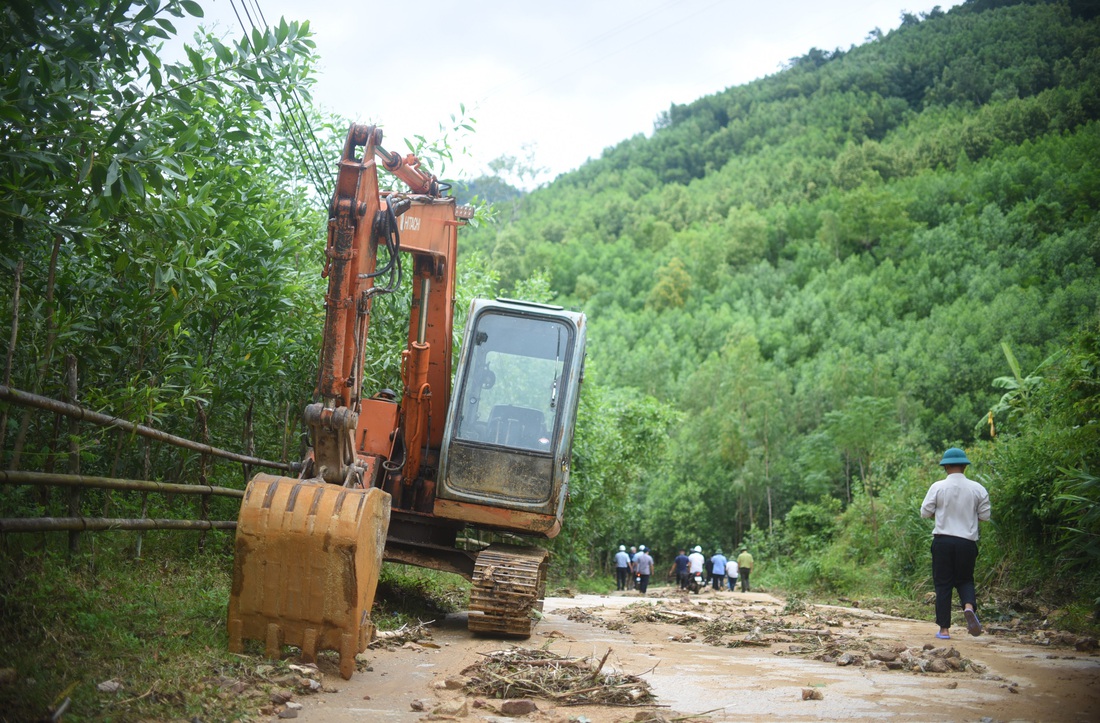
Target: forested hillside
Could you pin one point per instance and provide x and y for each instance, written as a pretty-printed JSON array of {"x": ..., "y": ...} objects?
[{"x": 801, "y": 290}]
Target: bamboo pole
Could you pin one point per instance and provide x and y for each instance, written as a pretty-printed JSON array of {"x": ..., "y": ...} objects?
[
  {"x": 11, "y": 477},
  {"x": 87, "y": 415},
  {"x": 98, "y": 524}
]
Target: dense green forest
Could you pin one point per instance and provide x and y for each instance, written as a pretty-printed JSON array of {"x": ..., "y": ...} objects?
[{"x": 799, "y": 290}]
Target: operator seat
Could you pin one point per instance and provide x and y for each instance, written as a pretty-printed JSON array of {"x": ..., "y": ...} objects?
[{"x": 513, "y": 426}]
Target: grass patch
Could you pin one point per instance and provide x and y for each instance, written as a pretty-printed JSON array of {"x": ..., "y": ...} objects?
[
  {"x": 155, "y": 626},
  {"x": 408, "y": 595}
]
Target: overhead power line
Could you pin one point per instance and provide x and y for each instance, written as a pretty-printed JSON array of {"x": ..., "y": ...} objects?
[{"x": 293, "y": 115}]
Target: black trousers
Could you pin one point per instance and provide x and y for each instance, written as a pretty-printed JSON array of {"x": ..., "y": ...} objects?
[
  {"x": 683, "y": 578},
  {"x": 643, "y": 584},
  {"x": 745, "y": 578},
  {"x": 953, "y": 561},
  {"x": 620, "y": 577}
]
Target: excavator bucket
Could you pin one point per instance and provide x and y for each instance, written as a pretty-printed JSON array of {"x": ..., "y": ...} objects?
[{"x": 307, "y": 560}]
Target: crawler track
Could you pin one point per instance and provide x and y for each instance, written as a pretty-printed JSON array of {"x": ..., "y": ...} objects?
[{"x": 509, "y": 582}]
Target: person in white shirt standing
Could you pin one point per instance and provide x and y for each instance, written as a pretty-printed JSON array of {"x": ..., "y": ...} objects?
[
  {"x": 731, "y": 572},
  {"x": 622, "y": 567},
  {"x": 958, "y": 504}
]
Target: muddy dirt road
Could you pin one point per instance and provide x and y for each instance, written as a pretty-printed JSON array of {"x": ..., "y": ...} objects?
[{"x": 681, "y": 648}]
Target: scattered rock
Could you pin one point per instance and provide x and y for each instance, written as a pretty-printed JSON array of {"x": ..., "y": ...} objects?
[
  {"x": 418, "y": 706},
  {"x": 279, "y": 696},
  {"x": 109, "y": 686},
  {"x": 952, "y": 685},
  {"x": 650, "y": 716},
  {"x": 456, "y": 682},
  {"x": 456, "y": 707},
  {"x": 938, "y": 665},
  {"x": 1086, "y": 645},
  {"x": 885, "y": 656},
  {"x": 288, "y": 713},
  {"x": 519, "y": 707},
  {"x": 812, "y": 694},
  {"x": 895, "y": 665}
]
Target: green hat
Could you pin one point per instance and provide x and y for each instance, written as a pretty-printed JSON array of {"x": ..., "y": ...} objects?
[
  {"x": 718, "y": 551},
  {"x": 954, "y": 456}
]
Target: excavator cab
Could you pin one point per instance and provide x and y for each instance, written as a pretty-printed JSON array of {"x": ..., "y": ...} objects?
[{"x": 508, "y": 439}]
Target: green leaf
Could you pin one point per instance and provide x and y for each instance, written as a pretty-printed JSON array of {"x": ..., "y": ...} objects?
[
  {"x": 224, "y": 54},
  {"x": 196, "y": 60},
  {"x": 11, "y": 113},
  {"x": 193, "y": 8},
  {"x": 120, "y": 126},
  {"x": 112, "y": 174}
]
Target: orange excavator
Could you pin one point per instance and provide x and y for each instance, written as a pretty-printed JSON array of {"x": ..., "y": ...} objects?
[{"x": 407, "y": 479}]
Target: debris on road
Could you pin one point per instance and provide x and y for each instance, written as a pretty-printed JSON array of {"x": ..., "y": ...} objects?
[
  {"x": 402, "y": 636},
  {"x": 527, "y": 673}
]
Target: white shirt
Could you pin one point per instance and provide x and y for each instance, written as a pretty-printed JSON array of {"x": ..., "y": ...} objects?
[
  {"x": 622, "y": 559},
  {"x": 695, "y": 562},
  {"x": 958, "y": 504},
  {"x": 731, "y": 568}
]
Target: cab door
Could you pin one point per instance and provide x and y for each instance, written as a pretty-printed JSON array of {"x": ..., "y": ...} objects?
[{"x": 509, "y": 434}]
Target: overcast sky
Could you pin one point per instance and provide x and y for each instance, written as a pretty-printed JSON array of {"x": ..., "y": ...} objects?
[{"x": 562, "y": 80}]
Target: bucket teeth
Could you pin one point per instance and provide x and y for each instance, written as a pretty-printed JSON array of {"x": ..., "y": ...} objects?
[{"x": 306, "y": 567}]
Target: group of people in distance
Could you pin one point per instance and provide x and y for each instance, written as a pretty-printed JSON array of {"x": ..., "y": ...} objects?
[
  {"x": 633, "y": 569},
  {"x": 956, "y": 503}
]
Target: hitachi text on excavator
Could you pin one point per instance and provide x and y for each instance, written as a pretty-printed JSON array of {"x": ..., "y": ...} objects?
[{"x": 403, "y": 477}]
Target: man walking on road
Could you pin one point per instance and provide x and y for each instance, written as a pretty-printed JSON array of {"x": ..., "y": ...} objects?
[
  {"x": 680, "y": 568},
  {"x": 717, "y": 569},
  {"x": 744, "y": 567},
  {"x": 622, "y": 567},
  {"x": 958, "y": 504},
  {"x": 643, "y": 566}
]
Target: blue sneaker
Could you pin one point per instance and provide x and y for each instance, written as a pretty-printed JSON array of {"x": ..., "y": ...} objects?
[
  {"x": 943, "y": 636},
  {"x": 973, "y": 625}
]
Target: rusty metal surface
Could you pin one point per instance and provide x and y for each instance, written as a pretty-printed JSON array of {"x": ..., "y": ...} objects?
[
  {"x": 498, "y": 518},
  {"x": 306, "y": 568},
  {"x": 509, "y": 583}
]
